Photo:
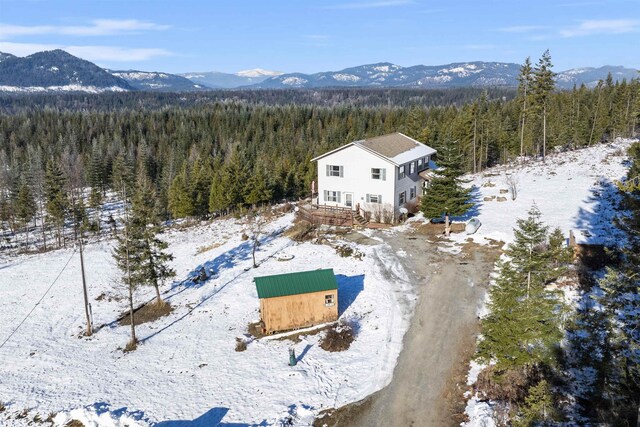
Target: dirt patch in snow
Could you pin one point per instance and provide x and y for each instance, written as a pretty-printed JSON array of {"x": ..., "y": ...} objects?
[{"x": 149, "y": 312}]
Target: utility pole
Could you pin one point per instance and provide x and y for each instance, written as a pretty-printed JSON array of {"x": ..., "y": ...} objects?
[{"x": 84, "y": 288}]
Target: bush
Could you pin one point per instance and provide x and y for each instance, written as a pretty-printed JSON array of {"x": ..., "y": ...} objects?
[
  {"x": 338, "y": 338},
  {"x": 344, "y": 251},
  {"x": 301, "y": 231}
]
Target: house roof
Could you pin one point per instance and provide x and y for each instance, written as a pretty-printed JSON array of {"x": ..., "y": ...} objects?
[
  {"x": 396, "y": 148},
  {"x": 302, "y": 282}
]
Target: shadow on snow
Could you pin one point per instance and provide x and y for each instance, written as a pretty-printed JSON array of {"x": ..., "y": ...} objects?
[{"x": 349, "y": 287}]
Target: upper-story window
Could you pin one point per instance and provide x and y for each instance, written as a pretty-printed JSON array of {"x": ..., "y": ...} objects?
[
  {"x": 420, "y": 163},
  {"x": 379, "y": 173},
  {"x": 412, "y": 168},
  {"x": 333, "y": 170},
  {"x": 401, "y": 173}
]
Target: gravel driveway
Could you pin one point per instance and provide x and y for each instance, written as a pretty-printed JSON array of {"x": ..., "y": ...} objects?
[{"x": 440, "y": 339}]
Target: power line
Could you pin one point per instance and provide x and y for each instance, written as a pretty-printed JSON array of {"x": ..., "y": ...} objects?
[{"x": 40, "y": 300}]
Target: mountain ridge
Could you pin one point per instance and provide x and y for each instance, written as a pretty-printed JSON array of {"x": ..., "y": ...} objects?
[{"x": 59, "y": 71}]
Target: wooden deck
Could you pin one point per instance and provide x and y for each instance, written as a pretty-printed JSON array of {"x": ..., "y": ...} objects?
[{"x": 328, "y": 215}]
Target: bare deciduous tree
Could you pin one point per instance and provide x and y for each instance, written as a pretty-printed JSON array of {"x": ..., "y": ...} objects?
[
  {"x": 256, "y": 224},
  {"x": 512, "y": 183}
]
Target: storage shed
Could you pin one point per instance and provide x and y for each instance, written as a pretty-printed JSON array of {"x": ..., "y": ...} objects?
[{"x": 297, "y": 300}]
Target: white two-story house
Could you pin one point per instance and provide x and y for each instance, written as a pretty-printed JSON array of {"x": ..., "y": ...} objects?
[{"x": 386, "y": 170}]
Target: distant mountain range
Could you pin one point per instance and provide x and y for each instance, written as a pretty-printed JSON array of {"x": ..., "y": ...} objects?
[
  {"x": 218, "y": 80},
  {"x": 58, "y": 71},
  {"x": 158, "y": 82},
  {"x": 473, "y": 74}
]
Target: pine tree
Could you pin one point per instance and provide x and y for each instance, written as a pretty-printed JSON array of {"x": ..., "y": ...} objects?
[
  {"x": 181, "y": 202},
  {"x": 525, "y": 81},
  {"x": 523, "y": 327},
  {"x": 25, "y": 208},
  {"x": 538, "y": 408},
  {"x": 258, "y": 190},
  {"x": 57, "y": 203},
  {"x": 154, "y": 259},
  {"x": 445, "y": 194},
  {"x": 128, "y": 255},
  {"x": 543, "y": 85}
]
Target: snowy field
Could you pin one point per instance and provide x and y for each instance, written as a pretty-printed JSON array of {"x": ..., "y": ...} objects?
[
  {"x": 574, "y": 191},
  {"x": 186, "y": 368}
]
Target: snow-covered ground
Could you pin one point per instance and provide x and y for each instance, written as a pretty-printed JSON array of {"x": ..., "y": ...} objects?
[
  {"x": 186, "y": 367},
  {"x": 575, "y": 191},
  {"x": 570, "y": 189}
]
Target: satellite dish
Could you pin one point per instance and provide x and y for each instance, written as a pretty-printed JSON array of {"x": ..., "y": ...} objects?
[
  {"x": 404, "y": 211},
  {"x": 296, "y": 209}
]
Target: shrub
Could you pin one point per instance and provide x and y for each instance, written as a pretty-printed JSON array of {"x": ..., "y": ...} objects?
[{"x": 338, "y": 338}]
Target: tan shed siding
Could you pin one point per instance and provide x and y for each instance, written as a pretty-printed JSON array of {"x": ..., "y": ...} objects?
[{"x": 298, "y": 311}]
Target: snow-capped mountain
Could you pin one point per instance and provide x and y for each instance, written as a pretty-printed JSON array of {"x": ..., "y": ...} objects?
[
  {"x": 590, "y": 76},
  {"x": 216, "y": 79},
  {"x": 157, "y": 81},
  {"x": 258, "y": 72},
  {"x": 55, "y": 71},
  {"x": 462, "y": 74}
]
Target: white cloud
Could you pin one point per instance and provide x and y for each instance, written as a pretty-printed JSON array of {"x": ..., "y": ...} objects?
[
  {"x": 97, "y": 27},
  {"x": 371, "y": 4},
  {"x": 90, "y": 53},
  {"x": 522, "y": 28},
  {"x": 602, "y": 26}
]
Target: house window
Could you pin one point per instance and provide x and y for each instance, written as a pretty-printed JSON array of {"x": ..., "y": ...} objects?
[
  {"x": 333, "y": 170},
  {"x": 412, "y": 193},
  {"x": 401, "y": 173},
  {"x": 420, "y": 163},
  {"x": 379, "y": 173},
  {"x": 374, "y": 198},
  {"x": 331, "y": 196},
  {"x": 329, "y": 300},
  {"x": 403, "y": 198},
  {"x": 412, "y": 168}
]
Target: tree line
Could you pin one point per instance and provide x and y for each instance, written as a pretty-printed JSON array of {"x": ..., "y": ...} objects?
[{"x": 207, "y": 157}]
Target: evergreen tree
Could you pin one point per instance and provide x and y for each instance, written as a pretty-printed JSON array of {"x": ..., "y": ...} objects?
[
  {"x": 445, "y": 194},
  {"x": 543, "y": 85},
  {"x": 128, "y": 255},
  {"x": 525, "y": 81},
  {"x": 523, "y": 327},
  {"x": 57, "y": 203},
  {"x": 257, "y": 190},
  {"x": 153, "y": 267},
  {"x": 181, "y": 202},
  {"x": 25, "y": 208},
  {"x": 538, "y": 408}
]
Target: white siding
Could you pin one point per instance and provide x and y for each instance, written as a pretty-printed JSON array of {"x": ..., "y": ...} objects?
[{"x": 356, "y": 177}]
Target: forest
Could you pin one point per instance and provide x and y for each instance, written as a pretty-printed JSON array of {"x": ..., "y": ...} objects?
[{"x": 216, "y": 152}]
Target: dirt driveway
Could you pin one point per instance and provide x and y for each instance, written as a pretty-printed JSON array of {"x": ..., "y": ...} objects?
[{"x": 439, "y": 342}]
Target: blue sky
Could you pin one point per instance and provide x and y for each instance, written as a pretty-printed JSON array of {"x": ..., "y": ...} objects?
[{"x": 310, "y": 36}]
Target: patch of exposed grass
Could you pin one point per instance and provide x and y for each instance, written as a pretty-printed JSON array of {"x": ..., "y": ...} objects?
[
  {"x": 207, "y": 248},
  {"x": 147, "y": 313}
]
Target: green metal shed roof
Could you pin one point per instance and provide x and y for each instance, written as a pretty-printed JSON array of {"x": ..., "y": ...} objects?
[{"x": 302, "y": 282}]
